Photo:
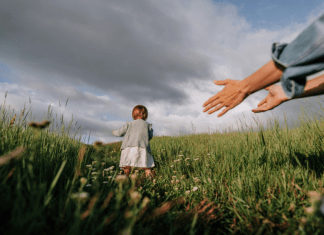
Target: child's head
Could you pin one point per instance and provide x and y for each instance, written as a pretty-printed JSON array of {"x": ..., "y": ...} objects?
[{"x": 140, "y": 112}]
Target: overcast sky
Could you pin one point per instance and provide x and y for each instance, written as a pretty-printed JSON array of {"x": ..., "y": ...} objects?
[{"x": 108, "y": 56}]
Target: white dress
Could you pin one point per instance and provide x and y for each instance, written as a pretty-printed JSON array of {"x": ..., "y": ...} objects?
[{"x": 136, "y": 157}]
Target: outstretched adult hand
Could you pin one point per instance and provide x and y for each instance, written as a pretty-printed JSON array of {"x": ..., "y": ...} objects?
[
  {"x": 275, "y": 97},
  {"x": 232, "y": 94}
]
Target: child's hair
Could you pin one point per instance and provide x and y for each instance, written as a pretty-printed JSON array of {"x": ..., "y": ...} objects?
[{"x": 140, "y": 111}]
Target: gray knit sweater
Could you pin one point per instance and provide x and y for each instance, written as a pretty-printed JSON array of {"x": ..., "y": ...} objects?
[{"x": 137, "y": 133}]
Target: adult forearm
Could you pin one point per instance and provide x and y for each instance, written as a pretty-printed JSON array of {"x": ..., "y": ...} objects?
[
  {"x": 313, "y": 87},
  {"x": 267, "y": 75}
]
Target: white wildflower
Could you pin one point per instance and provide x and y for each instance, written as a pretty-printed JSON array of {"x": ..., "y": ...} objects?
[
  {"x": 83, "y": 181},
  {"x": 109, "y": 168},
  {"x": 135, "y": 197},
  {"x": 309, "y": 210},
  {"x": 195, "y": 189},
  {"x": 121, "y": 178},
  {"x": 80, "y": 197},
  {"x": 145, "y": 201}
]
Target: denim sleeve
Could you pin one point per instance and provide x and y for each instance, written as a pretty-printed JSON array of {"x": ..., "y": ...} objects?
[
  {"x": 302, "y": 57},
  {"x": 121, "y": 131},
  {"x": 150, "y": 132}
]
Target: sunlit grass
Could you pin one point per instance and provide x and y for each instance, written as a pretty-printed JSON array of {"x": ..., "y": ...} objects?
[{"x": 268, "y": 181}]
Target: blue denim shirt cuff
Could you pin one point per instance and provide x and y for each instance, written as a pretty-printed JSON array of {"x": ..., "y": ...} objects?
[
  {"x": 302, "y": 57},
  {"x": 291, "y": 86}
]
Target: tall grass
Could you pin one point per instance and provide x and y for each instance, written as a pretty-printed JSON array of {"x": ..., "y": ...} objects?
[{"x": 249, "y": 182}]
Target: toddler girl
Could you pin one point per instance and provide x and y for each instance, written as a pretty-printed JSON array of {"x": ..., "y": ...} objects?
[{"x": 136, "y": 151}]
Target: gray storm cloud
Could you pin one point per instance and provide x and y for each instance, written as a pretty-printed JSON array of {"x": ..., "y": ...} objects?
[{"x": 125, "y": 48}]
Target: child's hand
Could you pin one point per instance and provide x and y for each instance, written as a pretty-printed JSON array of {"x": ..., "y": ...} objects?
[{"x": 275, "y": 97}]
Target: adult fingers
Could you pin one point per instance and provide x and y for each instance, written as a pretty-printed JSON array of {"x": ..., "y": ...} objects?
[
  {"x": 222, "y": 82},
  {"x": 262, "y": 102},
  {"x": 217, "y": 105},
  {"x": 213, "y": 104},
  {"x": 224, "y": 111},
  {"x": 230, "y": 106},
  {"x": 210, "y": 100},
  {"x": 215, "y": 108},
  {"x": 216, "y": 96},
  {"x": 260, "y": 109}
]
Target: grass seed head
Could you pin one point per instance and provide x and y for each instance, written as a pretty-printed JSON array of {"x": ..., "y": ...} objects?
[
  {"x": 98, "y": 144},
  {"x": 22, "y": 113},
  {"x": 12, "y": 155},
  {"x": 39, "y": 125},
  {"x": 12, "y": 121}
]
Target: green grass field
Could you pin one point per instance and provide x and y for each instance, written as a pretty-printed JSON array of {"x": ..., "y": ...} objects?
[{"x": 264, "y": 182}]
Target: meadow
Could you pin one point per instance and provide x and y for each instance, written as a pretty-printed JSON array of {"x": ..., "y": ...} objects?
[{"x": 268, "y": 181}]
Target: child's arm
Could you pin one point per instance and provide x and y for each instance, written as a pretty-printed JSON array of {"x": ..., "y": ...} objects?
[
  {"x": 150, "y": 132},
  {"x": 121, "y": 131}
]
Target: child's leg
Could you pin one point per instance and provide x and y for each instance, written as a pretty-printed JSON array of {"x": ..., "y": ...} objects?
[{"x": 127, "y": 170}]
